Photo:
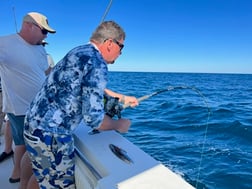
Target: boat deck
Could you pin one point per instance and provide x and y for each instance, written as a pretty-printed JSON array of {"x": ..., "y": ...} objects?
[{"x": 6, "y": 169}]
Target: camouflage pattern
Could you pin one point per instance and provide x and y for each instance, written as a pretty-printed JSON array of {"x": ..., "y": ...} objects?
[
  {"x": 72, "y": 92},
  {"x": 52, "y": 157}
]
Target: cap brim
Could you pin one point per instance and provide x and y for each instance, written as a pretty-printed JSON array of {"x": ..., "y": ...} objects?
[
  {"x": 51, "y": 31},
  {"x": 46, "y": 27}
]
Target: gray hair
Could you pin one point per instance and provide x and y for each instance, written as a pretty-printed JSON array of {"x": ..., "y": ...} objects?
[{"x": 108, "y": 30}]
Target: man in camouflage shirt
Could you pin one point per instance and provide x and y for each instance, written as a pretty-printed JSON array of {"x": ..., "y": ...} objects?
[{"x": 73, "y": 92}]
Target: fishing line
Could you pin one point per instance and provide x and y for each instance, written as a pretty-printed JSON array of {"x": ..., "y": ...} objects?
[
  {"x": 117, "y": 108},
  {"x": 170, "y": 88}
]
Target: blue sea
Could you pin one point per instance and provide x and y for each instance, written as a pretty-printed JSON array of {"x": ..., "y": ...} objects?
[{"x": 202, "y": 131}]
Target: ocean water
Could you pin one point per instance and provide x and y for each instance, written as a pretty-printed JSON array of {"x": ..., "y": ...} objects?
[{"x": 205, "y": 134}]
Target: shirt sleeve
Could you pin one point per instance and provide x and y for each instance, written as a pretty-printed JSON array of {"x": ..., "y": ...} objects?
[{"x": 94, "y": 84}]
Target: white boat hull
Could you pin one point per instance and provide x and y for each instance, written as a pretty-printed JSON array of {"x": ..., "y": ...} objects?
[{"x": 104, "y": 170}]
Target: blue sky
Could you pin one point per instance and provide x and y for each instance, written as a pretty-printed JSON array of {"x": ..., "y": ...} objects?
[{"x": 213, "y": 36}]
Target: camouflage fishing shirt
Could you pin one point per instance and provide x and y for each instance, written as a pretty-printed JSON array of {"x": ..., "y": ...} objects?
[{"x": 72, "y": 92}]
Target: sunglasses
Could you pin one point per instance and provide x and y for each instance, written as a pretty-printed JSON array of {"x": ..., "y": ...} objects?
[
  {"x": 43, "y": 31},
  {"x": 120, "y": 45}
]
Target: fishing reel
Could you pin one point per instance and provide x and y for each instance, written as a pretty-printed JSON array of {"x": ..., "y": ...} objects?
[{"x": 112, "y": 106}]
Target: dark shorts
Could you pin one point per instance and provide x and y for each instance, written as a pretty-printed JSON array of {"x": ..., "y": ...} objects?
[{"x": 17, "y": 128}]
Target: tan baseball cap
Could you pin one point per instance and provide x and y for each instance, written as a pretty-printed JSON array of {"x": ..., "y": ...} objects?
[{"x": 40, "y": 19}]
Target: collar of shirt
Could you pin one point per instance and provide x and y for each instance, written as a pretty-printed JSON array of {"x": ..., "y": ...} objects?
[{"x": 95, "y": 46}]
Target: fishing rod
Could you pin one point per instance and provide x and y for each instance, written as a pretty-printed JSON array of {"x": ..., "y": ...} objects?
[
  {"x": 106, "y": 11},
  {"x": 113, "y": 107},
  {"x": 15, "y": 20}
]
